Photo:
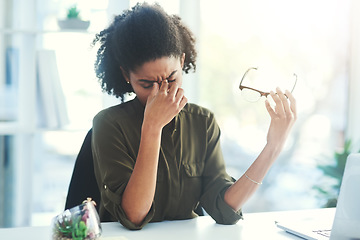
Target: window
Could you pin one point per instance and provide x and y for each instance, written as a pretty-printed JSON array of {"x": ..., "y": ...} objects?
[
  {"x": 306, "y": 37},
  {"x": 57, "y": 149}
]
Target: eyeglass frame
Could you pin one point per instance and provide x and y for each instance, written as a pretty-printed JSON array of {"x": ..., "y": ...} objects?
[{"x": 262, "y": 94}]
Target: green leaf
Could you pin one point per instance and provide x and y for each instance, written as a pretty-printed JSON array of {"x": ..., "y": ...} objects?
[{"x": 73, "y": 12}]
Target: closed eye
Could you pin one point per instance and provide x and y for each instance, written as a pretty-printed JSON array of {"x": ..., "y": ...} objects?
[
  {"x": 145, "y": 83},
  {"x": 148, "y": 85}
]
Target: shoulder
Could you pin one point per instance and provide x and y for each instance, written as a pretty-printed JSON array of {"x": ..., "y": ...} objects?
[
  {"x": 124, "y": 111},
  {"x": 198, "y": 116},
  {"x": 200, "y": 121},
  {"x": 196, "y": 110}
]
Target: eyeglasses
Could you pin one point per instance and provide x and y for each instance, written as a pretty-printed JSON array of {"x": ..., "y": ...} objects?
[{"x": 252, "y": 94}]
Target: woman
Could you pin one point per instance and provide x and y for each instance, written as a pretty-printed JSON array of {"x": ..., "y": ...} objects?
[{"x": 157, "y": 157}]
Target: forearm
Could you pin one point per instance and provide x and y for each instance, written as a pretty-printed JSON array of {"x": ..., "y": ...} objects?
[
  {"x": 140, "y": 190},
  {"x": 244, "y": 188},
  {"x": 283, "y": 116}
]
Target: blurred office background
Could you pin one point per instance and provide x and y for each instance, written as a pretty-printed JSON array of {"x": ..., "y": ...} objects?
[{"x": 317, "y": 40}]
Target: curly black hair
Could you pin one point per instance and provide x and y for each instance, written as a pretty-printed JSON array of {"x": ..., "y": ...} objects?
[{"x": 141, "y": 34}]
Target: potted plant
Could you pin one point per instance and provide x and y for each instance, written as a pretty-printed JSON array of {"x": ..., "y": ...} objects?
[{"x": 73, "y": 20}]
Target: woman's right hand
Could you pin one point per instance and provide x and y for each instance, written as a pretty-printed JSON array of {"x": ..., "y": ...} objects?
[{"x": 163, "y": 104}]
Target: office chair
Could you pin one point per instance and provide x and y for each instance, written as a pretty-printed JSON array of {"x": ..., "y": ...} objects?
[{"x": 83, "y": 182}]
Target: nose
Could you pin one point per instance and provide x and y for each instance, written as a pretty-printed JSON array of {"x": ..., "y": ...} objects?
[{"x": 160, "y": 80}]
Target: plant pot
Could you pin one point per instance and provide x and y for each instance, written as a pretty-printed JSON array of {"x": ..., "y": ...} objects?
[
  {"x": 73, "y": 23},
  {"x": 80, "y": 222}
]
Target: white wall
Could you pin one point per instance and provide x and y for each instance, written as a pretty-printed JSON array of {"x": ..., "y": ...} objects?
[{"x": 353, "y": 128}]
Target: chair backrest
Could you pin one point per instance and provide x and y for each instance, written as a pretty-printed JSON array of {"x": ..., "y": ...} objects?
[{"x": 83, "y": 182}]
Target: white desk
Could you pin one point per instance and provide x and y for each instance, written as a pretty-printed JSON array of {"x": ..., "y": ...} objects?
[{"x": 254, "y": 226}]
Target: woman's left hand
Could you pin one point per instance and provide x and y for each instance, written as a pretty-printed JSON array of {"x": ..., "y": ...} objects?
[{"x": 283, "y": 117}]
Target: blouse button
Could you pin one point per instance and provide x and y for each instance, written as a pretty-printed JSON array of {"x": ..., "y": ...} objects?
[{"x": 105, "y": 187}]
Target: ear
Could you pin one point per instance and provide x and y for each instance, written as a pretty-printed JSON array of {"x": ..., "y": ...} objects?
[
  {"x": 182, "y": 60},
  {"x": 125, "y": 74}
]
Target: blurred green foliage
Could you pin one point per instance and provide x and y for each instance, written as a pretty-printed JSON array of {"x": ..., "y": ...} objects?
[
  {"x": 335, "y": 172},
  {"x": 73, "y": 12}
]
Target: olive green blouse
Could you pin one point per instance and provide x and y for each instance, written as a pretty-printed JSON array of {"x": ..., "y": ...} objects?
[{"x": 191, "y": 168}]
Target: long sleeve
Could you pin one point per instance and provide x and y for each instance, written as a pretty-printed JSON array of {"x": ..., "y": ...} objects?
[
  {"x": 216, "y": 180},
  {"x": 114, "y": 159}
]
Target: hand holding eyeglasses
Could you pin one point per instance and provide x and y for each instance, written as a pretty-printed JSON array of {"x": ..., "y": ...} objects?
[
  {"x": 283, "y": 113},
  {"x": 283, "y": 117}
]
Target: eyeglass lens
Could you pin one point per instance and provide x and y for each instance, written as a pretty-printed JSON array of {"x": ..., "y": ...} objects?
[
  {"x": 253, "y": 95},
  {"x": 250, "y": 95}
]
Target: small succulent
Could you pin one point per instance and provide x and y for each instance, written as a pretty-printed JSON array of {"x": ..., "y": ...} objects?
[
  {"x": 73, "y": 12},
  {"x": 75, "y": 229},
  {"x": 79, "y": 230}
]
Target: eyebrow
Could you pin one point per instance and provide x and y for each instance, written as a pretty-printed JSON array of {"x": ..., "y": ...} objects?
[
  {"x": 171, "y": 75},
  {"x": 147, "y": 81}
]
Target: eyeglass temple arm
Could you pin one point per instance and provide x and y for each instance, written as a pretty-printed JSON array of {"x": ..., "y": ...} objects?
[
  {"x": 295, "y": 82},
  {"x": 261, "y": 92},
  {"x": 242, "y": 79}
]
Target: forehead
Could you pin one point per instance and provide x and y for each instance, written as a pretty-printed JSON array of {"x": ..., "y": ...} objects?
[{"x": 160, "y": 66}]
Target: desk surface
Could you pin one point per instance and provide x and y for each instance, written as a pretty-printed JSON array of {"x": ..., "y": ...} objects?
[{"x": 254, "y": 226}]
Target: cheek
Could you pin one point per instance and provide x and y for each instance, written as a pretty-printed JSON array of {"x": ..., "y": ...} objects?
[
  {"x": 142, "y": 94},
  {"x": 179, "y": 80},
  {"x": 142, "y": 99}
]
